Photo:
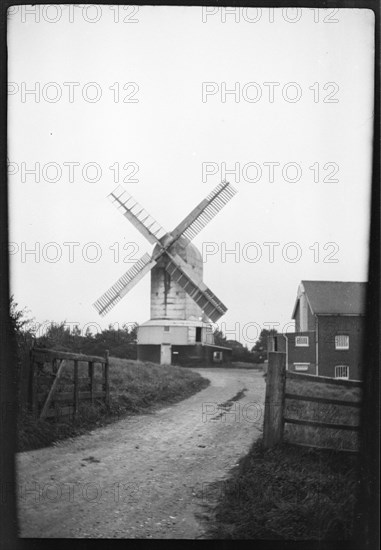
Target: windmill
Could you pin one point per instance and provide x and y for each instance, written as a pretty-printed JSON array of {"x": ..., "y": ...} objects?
[{"x": 181, "y": 303}]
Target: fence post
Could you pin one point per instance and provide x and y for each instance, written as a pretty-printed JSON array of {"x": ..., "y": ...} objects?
[
  {"x": 32, "y": 398},
  {"x": 274, "y": 401},
  {"x": 107, "y": 379},
  {"x": 76, "y": 389},
  {"x": 55, "y": 402},
  {"x": 91, "y": 376}
]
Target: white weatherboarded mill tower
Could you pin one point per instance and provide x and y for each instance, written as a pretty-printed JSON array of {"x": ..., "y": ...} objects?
[{"x": 179, "y": 330}]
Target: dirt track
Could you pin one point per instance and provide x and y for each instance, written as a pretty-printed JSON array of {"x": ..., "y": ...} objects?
[{"x": 145, "y": 476}]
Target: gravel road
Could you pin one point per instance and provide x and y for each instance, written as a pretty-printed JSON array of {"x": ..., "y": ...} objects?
[{"x": 145, "y": 476}]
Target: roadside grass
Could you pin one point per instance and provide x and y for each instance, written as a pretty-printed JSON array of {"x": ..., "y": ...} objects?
[
  {"x": 291, "y": 492},
  {"x": 287, "y": 493},
  {"x": 134, "y": 387},
  {"x": 321, "y": 412},
  {"x": 245, "y": 365},
  {"x": 227, "y": 365}
]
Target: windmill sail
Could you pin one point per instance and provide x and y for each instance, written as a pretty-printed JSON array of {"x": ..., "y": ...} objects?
[
  {"x": 175, "y": 265},
  {"x": 204, "y": 212},
  {"x": 137, "y": 215},
  {"x": 110, "y": 298},
  {"x": 197, "y": 290}
]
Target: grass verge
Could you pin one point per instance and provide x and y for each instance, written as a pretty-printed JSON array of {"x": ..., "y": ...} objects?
[
  {"x": 227, "y": 365},
  {"x": 287, "y": 493},
  {"x": 134, "y": 387}
]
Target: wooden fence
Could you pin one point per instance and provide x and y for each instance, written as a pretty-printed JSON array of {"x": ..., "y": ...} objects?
[
  {"x": 276, "y": 395},
  {"x": 46, "y": 371}
]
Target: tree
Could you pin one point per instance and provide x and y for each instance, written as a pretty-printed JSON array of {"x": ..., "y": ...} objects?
[
  {"x": 20, "y": 323},
  {"x": 23, "y": 329},
  {"x": 219, "y": 338},
  {"x": 59, "y": 336},
  {"x": 120, "y": 342},
  {"x": 22, "y": 326},
  {"x": 239, "y": 351},
  {"x": 260, "y": 347}
]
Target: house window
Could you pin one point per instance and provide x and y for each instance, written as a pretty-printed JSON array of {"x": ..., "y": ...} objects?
[
  {"x": 198, "y": 334},
  {"x": 302, "y": 341},
  {"x": 166, "y": 329},
  {"x": 341, "y": 342},
  {"x": 301, "y": 366},
  {"x": 342, "y": 371}
]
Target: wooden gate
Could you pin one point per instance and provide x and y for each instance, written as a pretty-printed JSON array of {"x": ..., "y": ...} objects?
[
  {"x": 50, "y": 369},
  {"x": 277, "y": 394}
]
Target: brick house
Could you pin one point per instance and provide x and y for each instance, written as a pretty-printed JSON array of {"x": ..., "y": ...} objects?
[{"x": 329, "y": 330}]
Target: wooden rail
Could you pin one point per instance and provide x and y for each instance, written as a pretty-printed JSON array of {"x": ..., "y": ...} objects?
[
  {"x": 276, "y": 394},
  {"x": 324, "y": 379},
  {"x": 325, "y": 400},
  {"x": 317, "y": 447},
  {"x": 67, "y": 396},
  {"x": 40, "y": 404},
  {"x": 50, "y": 354},
  {"x": 53, "y": 388},
  {"x": 317, "y": 424}
]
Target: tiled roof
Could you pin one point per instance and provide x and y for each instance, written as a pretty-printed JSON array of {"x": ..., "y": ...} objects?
[{"x": 335, "y": 297}]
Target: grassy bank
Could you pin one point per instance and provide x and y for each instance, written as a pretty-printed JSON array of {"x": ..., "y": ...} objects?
[
  {"x": 288, "y": 493},
  {"x": 134, "y": 387}
]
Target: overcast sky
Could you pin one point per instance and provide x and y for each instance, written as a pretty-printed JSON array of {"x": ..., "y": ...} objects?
[{"x": 145, "y": 91}]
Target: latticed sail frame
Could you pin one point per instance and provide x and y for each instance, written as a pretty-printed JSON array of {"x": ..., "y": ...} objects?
[{"x": 198, "y": 218}]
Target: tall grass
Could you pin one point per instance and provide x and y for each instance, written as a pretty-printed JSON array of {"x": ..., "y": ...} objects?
[
  {"x": 134, "y": 387},
  {"x": 290, "y": 492},
  {"x": 287, "y": 493}
]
